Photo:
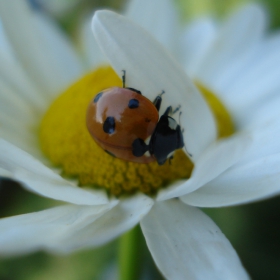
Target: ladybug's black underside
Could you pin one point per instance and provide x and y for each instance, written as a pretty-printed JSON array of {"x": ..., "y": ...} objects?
[{"x": 166, "y": 138}]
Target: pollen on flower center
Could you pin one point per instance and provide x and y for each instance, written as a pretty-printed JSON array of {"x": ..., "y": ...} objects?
[{"x": 67, "y": 143}]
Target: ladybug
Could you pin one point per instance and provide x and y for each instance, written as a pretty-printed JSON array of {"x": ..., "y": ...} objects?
[{"x": 126, "y": 125}]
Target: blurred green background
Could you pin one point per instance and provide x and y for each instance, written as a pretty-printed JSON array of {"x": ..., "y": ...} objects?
[{"x": 252, "y": 229}]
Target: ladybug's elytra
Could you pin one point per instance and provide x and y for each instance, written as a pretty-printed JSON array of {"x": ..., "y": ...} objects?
[{"x": 126, "y": 125}]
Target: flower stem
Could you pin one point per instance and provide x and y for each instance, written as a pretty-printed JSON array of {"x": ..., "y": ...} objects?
[{"x": 129, "y": 255}]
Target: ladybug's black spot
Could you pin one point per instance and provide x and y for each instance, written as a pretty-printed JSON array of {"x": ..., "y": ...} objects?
[
  {"x": 97, "y": 97},
  {"x": 133, "y": 103},
  {"x": 109, "y": 125},
  {"x": 109, "y": 153}
]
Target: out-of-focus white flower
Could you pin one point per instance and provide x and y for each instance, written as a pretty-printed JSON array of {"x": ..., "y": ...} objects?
[
  {"x": 234, "y": 59},
  {"x": 57, "y": 8}
]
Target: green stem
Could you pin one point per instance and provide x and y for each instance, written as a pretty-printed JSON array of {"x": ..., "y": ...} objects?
[{"x": 129, "y": 255}]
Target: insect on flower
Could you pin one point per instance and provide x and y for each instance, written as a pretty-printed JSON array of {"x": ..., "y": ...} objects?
[{"x": 126, "y": 125}]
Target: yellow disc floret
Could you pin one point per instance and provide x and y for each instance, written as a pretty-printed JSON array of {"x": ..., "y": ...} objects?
[{"x": 67, "y": 143}]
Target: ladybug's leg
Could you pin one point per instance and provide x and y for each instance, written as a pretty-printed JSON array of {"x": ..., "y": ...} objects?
[
  {"x": 139, "y": 147},
  {"x": 123, "y": 79},
  {"x": 157, "y": 101},
  {"x": 123, "y": 84},
  {"x": 168, "y": 111}
]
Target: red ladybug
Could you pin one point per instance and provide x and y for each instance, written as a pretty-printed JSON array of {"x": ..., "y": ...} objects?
[{"x": 126, "y": 125}]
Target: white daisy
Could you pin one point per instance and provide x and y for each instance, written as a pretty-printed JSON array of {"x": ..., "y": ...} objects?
[{"x": 235, "y": 61}]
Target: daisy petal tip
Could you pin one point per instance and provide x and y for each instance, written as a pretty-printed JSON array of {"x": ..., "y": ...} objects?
[
  {"x": 5, "y": 174},
  {"x": 99, "y": 23},
  {"x": 190, "y": 246},
  {"x": 256, "y": 8},
  {"x": 257, "y": 12},
  {"x": 96, "y": 197},
  {"x": 100, "y": 17},
  {"x": 171, "y": 191}
]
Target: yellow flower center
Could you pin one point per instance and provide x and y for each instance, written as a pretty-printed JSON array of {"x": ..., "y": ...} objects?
[{"x": 67, "y": 143}]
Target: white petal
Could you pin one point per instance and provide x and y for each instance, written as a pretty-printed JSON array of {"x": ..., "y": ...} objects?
[
  {"x": 59, "y": 9},
  {"x": 13, "y": 75},
  {"x": 62, "y": 51},
  {"x": 268, "y": 110},
  {"x": 118, "y": 220},
  {"x": 151, "y": 69},
  {"x": 32, "y": 48},
  {"x": 265, "y": 59},
  {"x": 238, "y": 36},
  {"x": 93, "y": 54},
  {"x": 5, "y": 47},
  {"x": 5, "y": 174},
  {"x": 11, "y": 129},
  {"x": 254, "y": 177},
  {"x": 265, "y": 140},
  {"x": 215, "y": 160},
  {"x": 259, "y": 80},
  {"x": 160, "y": 19},
  {"x": 242, "y": 183},
  {"x": 197, "y": 39},
  {"x": 13, "y": 105},
  {"x": 186, "y": 244},
  {"x": 45, "y": 229},
  {"x": 38, "y": 178},
  {"x": 18, "y": 119}
]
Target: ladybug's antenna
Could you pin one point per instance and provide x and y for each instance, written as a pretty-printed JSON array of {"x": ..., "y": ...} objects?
[
  {"x": 179, "y": 116},
  {"x": 161, "y": 93},
  {"x": 176, "y": 110},
  {"x": 123, "y": 79}
]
